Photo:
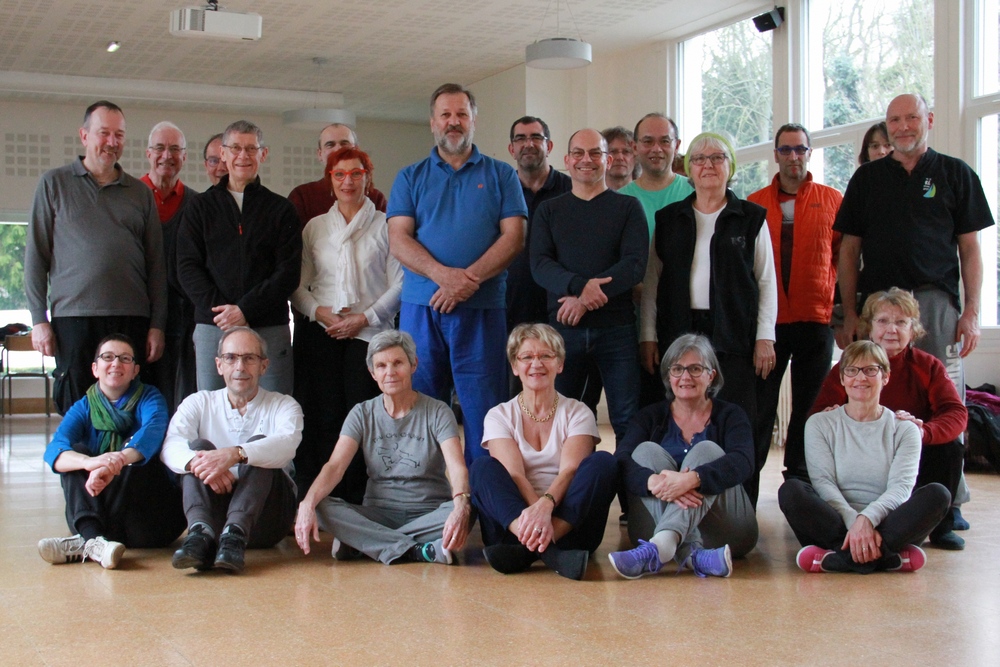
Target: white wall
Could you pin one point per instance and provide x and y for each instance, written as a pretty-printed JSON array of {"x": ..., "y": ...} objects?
[
  {"x": 500, "y": 100},
  {"x": 37, "y": 137},
  {"x": 616, "y": 90},
  {"x": 625, "y": 87}
]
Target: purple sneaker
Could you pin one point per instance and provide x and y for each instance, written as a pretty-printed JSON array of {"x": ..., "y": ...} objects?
[
  {"x": 711, "y": 562},
  {"x": 638, "y": 562}
]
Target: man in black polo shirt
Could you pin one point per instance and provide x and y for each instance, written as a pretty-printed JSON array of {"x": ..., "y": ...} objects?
[
  {"x": 915, "y": 216},
  {"x": 530, "y": 146}
]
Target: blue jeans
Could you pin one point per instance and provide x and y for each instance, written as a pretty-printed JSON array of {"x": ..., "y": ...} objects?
[
  {"x": 615, "y": 350},
  {"x": 584, "y": 506},
  {"x": 463, "y": 349}
]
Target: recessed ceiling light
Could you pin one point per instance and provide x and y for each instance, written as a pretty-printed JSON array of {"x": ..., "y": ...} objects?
[{"x": 114, "y": 46}]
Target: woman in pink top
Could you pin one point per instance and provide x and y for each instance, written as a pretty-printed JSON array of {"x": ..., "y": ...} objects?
[{"x": 544, "y": 492}]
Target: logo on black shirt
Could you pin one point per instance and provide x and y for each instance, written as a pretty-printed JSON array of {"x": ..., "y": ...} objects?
[{"x": 929, "y": 188}]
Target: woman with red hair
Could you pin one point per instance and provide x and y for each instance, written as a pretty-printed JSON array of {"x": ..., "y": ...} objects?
[{"x": 349, "y": 291}]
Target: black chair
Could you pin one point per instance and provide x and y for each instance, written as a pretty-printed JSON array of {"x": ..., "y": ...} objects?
[{"x": 20, "y": 343}]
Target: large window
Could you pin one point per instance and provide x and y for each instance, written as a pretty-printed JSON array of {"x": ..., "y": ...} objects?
[
  {"x": 984, "y": 118},
  {"x": 987, "y": 47},
  {"x": 873, "y": 50},
  {"x": 989, "y": 170},
  {"x": 731, "y": 67}
]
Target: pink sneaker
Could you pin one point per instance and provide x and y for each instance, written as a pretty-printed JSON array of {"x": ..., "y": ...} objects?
[
  {"x": 911, "y": 559},
  {"x": 810, "y": 558}
]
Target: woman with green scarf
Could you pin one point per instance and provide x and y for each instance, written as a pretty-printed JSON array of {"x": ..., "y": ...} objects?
[{"x": 106, "y": 451}]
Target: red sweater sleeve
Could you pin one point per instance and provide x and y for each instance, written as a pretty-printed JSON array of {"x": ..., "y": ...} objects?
[{"x": 948, "y": 416}]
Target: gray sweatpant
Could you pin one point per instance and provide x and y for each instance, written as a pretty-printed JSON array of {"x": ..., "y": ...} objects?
[
  {"x": 725, "y": 518},
  {"x": 383, "y": 534}
]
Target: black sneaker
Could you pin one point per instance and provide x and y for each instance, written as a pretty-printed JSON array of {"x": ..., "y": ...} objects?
[
  {"x": 197, "y": 550},
  {"x": 232, "y": 547},
  {"x": 569, "y": 563},
  {"x": 341, "y": 551}
]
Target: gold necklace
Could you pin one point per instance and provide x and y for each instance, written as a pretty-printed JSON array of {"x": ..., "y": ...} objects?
[{"x": 539, "y": 420}]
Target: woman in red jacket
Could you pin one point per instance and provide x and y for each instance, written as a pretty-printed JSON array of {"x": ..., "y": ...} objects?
[{"x": 919, "y": 391}]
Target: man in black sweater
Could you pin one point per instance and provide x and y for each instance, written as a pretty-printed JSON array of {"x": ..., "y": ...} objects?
[{"x": 588, "y": 250}]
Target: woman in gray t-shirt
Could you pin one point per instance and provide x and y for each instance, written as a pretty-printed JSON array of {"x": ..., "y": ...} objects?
[{"x": 411, "y": 510}]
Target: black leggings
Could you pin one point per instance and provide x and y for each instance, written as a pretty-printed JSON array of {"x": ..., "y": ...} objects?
[{"x": 814, "y": 522}]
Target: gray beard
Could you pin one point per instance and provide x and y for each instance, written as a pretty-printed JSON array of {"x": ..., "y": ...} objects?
[{"x": 445, "y": 147}]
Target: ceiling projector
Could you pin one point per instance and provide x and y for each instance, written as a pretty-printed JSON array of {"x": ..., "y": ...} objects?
[{"x": 210, "y": 21}]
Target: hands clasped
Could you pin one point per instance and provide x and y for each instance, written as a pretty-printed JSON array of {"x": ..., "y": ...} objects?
[{"x": 212, "y": 468}]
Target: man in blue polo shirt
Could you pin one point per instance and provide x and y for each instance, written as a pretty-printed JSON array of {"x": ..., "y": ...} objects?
[{"x": 456, "y": 221}]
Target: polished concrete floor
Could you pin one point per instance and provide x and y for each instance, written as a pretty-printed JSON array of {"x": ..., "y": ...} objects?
[{"x": 288, "y": 609}]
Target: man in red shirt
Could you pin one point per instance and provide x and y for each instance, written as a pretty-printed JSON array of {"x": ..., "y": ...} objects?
[
  {"x": 174, "y": 373},
  {"x": 315, "y": 198}
]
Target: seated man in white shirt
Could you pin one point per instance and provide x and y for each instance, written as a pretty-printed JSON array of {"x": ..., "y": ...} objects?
[{"x": 232, "y": 448}]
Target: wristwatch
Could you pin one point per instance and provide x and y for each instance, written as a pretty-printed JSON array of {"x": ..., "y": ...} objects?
[{"x": 243, "y": 454}]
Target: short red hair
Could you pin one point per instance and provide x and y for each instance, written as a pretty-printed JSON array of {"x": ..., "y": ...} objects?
[{"x": 352, "y": 153}]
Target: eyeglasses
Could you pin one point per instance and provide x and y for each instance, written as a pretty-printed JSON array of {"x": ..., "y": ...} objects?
[
  {"x": 595, "y": 154},
  {"x": 213, "y": 161},
  {"x": 109, "y": 357},
  {"x": 694, "y": 370},
  {"x": 529, "y": 138},
  {"x": 788, "y": 150},
  {"x": 340, "y": 175},
  {"x": 664, "y": 142},
  {"x": 869, "y": 371},
  {"x": 702, "y": 160},
  {"x": 885, "y": 322},
  {"x": 545, "y": 358},
  {"x": 236, "y": 149},
  {"x": 249, "y": 359},
  {"x": 160, "y": 149}
]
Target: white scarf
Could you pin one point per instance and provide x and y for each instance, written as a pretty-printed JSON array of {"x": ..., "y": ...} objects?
[{"x": 341, "y": 240}]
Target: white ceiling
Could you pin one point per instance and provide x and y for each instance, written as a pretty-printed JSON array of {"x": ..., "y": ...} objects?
[{"x": 384, "y": 56}]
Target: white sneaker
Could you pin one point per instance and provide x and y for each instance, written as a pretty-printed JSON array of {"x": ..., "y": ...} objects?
[
  {"x": 105, "y": 552},
  {"x": 58, "y": 550}
]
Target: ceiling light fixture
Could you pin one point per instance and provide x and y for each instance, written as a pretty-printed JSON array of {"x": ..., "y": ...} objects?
[
  {"x": 114, "y": 46},
  {"x": 558, "y": 52},
  {"x": 314, "y": 118}
]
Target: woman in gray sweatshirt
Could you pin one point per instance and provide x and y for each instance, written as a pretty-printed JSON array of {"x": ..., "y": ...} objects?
[{"x": 861, "y": 512}]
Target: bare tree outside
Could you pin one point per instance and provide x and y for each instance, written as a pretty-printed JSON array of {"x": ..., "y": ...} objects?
[
  {"x": 12, "y": 239},
  {"x": 737, "y": 93},
  {"x": 873, "y": 50}
]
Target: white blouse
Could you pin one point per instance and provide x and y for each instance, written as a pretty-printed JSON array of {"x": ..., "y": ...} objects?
[
  {"x": 380, "y": 276},
  {"x": 506, "y": 421}
]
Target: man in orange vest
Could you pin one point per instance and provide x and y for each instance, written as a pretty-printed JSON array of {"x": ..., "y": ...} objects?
[{"x": 800, "y": 215}]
